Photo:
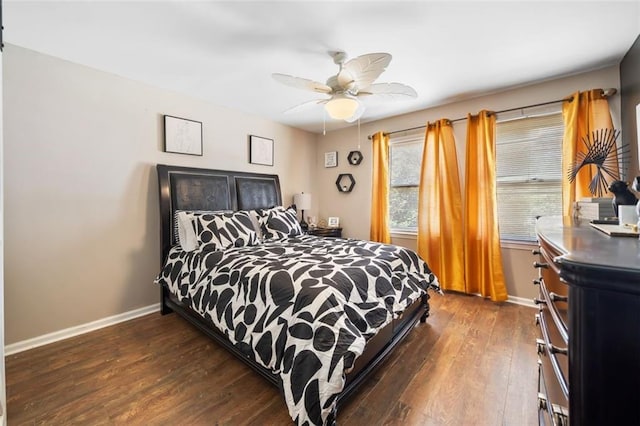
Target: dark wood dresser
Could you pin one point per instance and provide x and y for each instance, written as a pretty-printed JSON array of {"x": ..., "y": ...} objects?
[
  {"x": 589, "y": 325},
  {"x": 326, "y": 232}
]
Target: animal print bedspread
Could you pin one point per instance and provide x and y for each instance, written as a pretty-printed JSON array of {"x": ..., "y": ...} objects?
[{"x": 303, "y": 307}]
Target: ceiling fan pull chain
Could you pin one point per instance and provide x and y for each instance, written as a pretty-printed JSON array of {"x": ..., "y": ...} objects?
[{"x": 324, "y": 123}]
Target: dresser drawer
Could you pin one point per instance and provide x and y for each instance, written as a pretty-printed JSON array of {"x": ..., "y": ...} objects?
[
  {"x": 555, "y": 303},
  {"x": 553, "y": 353},
  {"x": 553, "y": 339},
  {"x": 554, "y": 292},
  {"x": 549, "y": 413}
]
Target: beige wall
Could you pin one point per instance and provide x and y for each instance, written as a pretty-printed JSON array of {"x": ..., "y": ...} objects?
[
  {"x": 81, "y": 207},
  {"x": 353, "y": 208},
  {"x": 81, "y": 203}
]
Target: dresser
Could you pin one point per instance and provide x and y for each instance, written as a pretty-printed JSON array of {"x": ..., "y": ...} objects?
[
  {"x": 588, "y": 325},
  {"x": 325, "y": 232}
]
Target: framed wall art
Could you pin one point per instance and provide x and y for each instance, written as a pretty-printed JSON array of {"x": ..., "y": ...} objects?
[
  {"x": 260, "y": 150},
  {"x": 331, "y": 159},
  {"x": 182, "y": 136}
]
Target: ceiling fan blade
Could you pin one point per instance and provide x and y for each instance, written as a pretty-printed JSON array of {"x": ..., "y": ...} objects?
[
  {"x": 356, "y": 115},
  {"x": 363, "y": 70},
  {"x": 391, "y": 90},
  {"x": 305, "y": 105},
  {"x": 301, "y": 83}
]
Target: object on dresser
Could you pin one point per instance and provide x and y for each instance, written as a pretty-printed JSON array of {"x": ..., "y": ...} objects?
[
  {"x": 603, "y": 153},
  {"x": 622, "y": 195},
  {"x": 302, "y": 202},
  {"x": 636, "y": 187},
  {"x": 313, "y": 221},
  {"x": 333, "y": 222},
  {"x": 595, "y": 208}
]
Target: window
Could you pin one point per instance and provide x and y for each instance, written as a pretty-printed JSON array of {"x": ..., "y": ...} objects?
[
  {"x": 528, "y": 173},
  {"x": 405, "y": 158}
]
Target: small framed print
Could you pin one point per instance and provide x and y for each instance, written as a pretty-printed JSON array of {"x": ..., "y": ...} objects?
[
  {"x": 333, "y": 222},
  {"x": 331, "y": 159},
  {"x": 182, "y": 136},
  {"x": 260, "y": 150}
]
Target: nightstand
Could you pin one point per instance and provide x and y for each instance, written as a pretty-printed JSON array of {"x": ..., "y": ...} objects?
[{"x": 326, "y": 232}]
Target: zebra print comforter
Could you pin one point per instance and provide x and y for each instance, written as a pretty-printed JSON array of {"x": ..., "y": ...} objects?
[{"x": 303, "y": 307}]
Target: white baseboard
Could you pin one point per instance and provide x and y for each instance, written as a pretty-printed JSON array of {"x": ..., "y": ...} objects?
[
  {"x": 524, "y": 301},
  {"x": 45, "y": 339}
]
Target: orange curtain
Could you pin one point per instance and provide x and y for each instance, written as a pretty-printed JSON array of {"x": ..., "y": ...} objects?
[
  {"x": 440, "y": 237},
  {"x": 380, "y": 189},
  {"x": 582, "y": 114},
  {"x": 483, "y": 258}
]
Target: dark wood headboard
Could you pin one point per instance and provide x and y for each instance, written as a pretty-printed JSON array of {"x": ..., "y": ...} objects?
[{"x": 187, "y": 188}]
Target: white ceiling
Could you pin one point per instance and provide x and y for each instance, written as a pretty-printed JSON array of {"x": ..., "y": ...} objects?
[{"x": 225, "y": 52}]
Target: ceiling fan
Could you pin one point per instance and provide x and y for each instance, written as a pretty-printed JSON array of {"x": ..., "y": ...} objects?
[{"x": 353, "y": 82}]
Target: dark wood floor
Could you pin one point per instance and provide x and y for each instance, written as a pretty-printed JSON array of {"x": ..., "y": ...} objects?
[{"x": 473, "y": 363}]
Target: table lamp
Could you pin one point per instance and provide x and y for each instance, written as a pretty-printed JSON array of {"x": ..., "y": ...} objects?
[{"x": 302, "y": 202}]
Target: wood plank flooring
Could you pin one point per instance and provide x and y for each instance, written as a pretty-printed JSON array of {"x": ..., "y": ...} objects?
[{"x": 473, "y": 363}]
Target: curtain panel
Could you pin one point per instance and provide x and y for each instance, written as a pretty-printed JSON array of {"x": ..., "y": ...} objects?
[
  {"x": 483, "y": 257},
  {"x": 379, "y": 230},
  {"x": 583, "y": 113},
  {"x": 440, "y": 237}
]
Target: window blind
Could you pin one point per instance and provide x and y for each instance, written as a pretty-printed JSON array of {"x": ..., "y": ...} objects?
[
  {"x": 405, "y": 158},
  {"x": 528, "y": 173}
]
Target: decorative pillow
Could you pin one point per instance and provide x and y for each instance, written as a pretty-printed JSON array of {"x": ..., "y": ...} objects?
[
  {"x": 191, "y": 214},
  {"x": 255, "y": 216},
  {"x": 278, "y": 223},
  {"x": 235, "y": 229},
  {"x": 186, "y": 231},
  {"x": 207, "y": 233}
]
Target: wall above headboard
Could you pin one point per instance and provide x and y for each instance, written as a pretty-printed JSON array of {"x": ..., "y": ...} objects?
[{"x": 630, "y": 99}]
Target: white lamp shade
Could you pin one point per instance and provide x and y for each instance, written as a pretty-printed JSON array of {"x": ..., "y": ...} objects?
[
  {"x": 302, "y": 201},
  {"x": 341, "y": 107}
]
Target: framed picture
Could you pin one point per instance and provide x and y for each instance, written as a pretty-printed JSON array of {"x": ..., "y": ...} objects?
[
  {"x": 260, "y": 150},
  {"x": 333, "y": 222},
  {"x": 182, "y": 136},
  {"x": 331, "y": 159}
]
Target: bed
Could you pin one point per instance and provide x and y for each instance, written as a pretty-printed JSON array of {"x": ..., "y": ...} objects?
[{"x": 299, "y": 310}]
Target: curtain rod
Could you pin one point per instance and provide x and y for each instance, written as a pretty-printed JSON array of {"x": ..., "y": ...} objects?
[{"x": 607, "y": 93}]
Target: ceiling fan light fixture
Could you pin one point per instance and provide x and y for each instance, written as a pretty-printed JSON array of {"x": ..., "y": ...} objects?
[{"x": 342, "y": 107}]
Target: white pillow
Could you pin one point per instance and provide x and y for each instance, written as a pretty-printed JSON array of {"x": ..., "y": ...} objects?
[
  {"x": 255, "y": 221},
  {"x": 186, "y": 232}
]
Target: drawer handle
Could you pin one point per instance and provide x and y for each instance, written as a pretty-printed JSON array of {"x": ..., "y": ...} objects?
[
  {"x": 560, "y": 414},
  {"x": 536, "y": 281},
  {"x": 556, "y": 350},
  {"x": 539, "y": 301},
  {"x": 557, "y": 298},
  {"x": 536, "y": 252},
  {"x": 542, "y": 401},
  {"x": 537, "y": 264},
  {"x": 539, "y": 343}
]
